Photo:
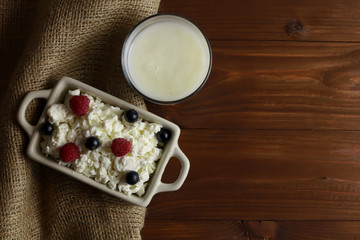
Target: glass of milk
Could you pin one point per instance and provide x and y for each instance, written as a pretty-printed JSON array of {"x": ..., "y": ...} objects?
[{"x": 166, "y": 59}]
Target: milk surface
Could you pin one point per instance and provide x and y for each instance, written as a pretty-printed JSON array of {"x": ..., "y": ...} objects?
[{"x": 168, "y": 61}]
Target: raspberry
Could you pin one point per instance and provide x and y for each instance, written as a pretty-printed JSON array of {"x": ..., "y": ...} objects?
[
  {"x": 69, "y": 152},
  {"x": 79, "y": 104},
  {"x": 120, "y": 147}
]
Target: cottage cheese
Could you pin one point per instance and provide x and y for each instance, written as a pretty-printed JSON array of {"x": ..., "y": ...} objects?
[{"x": 106, "y": 123}]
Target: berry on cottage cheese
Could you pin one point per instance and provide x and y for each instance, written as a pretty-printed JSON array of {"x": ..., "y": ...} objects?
[
  {"x": 47, "y": 128},
  {"x": 79, "y": 105},
  {"x": 132, "y": 177},
  {"x": 163, "y": 135},
  {"x": 120, "y": 147},
  {"x": 92, "y": 143},
  {"x": 69, "y": 152},
  {"x": 102, "y": 124},
  {"x": 131, "y": 116}
]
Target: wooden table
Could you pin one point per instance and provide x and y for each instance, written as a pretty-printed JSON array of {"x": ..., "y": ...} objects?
[{"x": 274, "y": 134}]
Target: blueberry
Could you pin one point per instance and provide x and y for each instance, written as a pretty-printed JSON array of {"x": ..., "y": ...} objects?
[
  {"x": 47, "y": 128},
  {"x": 92, "y": 143},
  {"x": 163, "y": 135},
  {"x": 132, "y": 177},
  {"x": 131, "y": 116}
]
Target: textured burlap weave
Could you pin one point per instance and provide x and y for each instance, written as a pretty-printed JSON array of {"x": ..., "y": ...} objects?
[{"x": 41, "y": 41}]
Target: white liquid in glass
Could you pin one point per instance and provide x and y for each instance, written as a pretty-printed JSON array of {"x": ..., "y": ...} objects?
[{"x": 168, "y": 61}]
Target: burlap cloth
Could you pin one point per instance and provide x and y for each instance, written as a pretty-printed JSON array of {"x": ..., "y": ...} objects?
[{"x": 40, "y": 42}]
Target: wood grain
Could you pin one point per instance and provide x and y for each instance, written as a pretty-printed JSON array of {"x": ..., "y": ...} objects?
[
  {"x": 215, "y": 229},
  {"x": 253, "y": 230},
  {"x": 267, "y": 175},
  {"x": 326, "y": 230},
  {"x": 274, "y": 133},
  {"x": 275, "y": 85},
  {"x": 305, "y": 20}
]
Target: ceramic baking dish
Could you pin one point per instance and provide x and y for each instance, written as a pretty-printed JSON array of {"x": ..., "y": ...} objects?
[{"x": 56, "y": 95}]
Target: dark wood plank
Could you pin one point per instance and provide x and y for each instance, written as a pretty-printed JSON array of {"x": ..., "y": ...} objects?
[
  {"x": 275, "y": 85},
  {"x": 264, "y": 230},
  {"x": 271, "y": 83},
  {"x": 305, "y": 20},
  {"x": 212, "y": 229},
  {"x": 309, "y": 230},
  {"x": 251, "y": 230},
  {"x": 266, "y": 175}
]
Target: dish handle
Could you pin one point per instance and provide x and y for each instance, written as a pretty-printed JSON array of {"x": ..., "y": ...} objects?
[
  {"x": 29, "y": 129},
  {"x": 185, "y": 166}
]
